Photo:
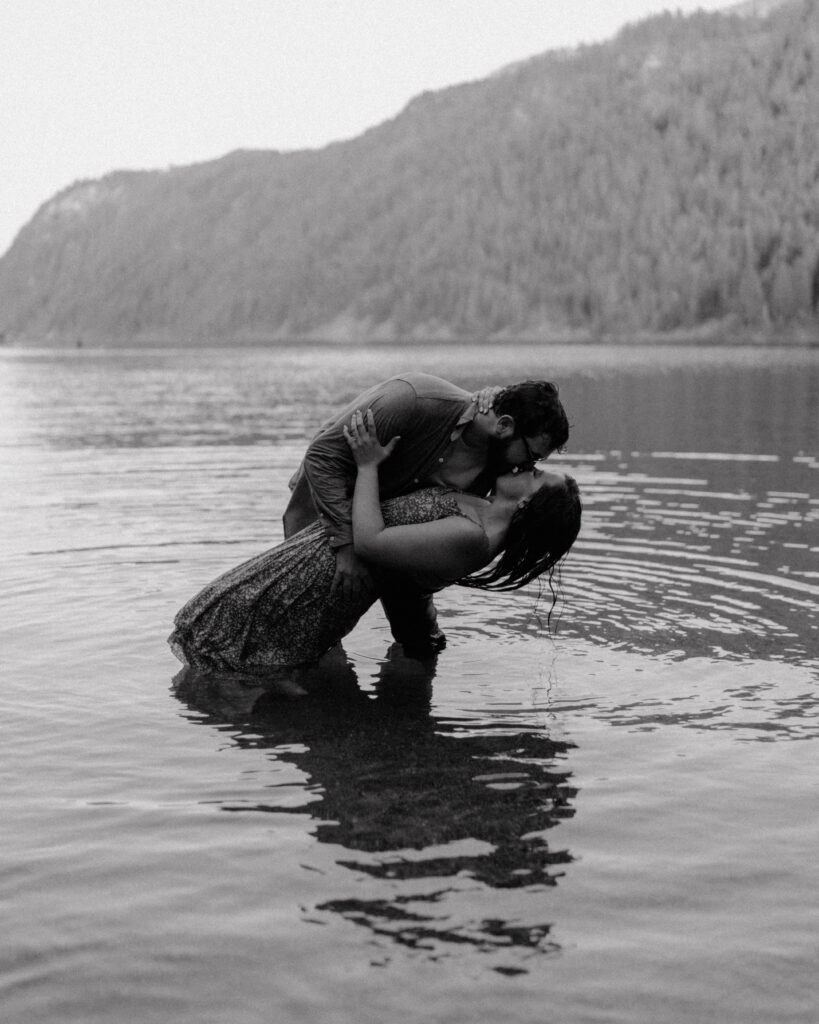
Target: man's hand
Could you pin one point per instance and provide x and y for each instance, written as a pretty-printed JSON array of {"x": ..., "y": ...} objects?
[
  {"x": 352, "y": 577},
  {"x": 486, "y": 397}
]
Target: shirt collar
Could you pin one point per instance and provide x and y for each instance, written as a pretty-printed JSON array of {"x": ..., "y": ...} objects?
[{"x": 467, "y": 416}]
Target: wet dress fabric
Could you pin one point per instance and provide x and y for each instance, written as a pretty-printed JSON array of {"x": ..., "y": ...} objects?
[{"x": 277, "y": 609}]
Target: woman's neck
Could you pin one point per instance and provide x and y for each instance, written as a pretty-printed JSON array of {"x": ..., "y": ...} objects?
[{"x": 492, "y": 514}]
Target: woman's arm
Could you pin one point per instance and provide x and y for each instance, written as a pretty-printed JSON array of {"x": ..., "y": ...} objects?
[
  {"x": 449, "y": 548},
  {"x": 328, "y": 465}
]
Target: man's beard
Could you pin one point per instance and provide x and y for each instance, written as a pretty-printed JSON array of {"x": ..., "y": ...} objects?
[{"x": 496, "y": 460}]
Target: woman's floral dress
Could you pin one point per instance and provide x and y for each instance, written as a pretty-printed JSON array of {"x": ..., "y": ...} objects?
[{"x": 276, "y": 609}]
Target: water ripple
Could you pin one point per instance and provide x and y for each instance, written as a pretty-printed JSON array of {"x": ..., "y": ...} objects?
[{"x": 665, "y": 563}]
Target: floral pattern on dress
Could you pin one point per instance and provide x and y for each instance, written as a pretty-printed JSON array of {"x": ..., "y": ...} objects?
[{"x": 276, "y": 609}]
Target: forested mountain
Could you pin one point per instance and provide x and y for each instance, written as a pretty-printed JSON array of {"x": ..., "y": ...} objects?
[{"x": 667, "y": 180}]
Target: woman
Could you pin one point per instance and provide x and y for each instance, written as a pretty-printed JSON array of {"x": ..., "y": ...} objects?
[{"x": 279, "y": 609}]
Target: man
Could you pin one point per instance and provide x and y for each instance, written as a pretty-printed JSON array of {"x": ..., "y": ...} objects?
[{"x": 448, "y": 437}]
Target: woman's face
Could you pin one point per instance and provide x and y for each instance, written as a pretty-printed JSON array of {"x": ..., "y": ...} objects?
[{"x": 517, "y": 486}]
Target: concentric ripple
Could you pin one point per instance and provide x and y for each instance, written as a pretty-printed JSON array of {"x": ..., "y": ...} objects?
[{"x": 723, "y": 562}]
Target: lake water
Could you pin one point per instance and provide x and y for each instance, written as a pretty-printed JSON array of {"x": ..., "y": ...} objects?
[{"x": 616, "y": 822}]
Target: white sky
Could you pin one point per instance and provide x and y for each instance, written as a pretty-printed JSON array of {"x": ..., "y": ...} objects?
[{"x": 90, "y": 86}]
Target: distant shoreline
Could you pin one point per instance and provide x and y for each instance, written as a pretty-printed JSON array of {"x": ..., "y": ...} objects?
[{"x": 801, "y": 338}]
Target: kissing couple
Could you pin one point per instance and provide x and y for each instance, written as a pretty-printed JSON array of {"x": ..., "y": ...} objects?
[{"x": 414, "y": 486}]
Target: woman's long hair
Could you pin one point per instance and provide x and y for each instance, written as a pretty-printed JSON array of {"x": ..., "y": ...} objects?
[{"x": 539, "y": 536}]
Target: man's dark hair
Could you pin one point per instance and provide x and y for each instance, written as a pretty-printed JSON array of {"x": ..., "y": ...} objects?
[{"x": 536, "y": 410}]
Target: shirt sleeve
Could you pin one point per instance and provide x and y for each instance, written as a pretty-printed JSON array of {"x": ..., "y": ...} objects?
[{"x": 329, "y": 465}]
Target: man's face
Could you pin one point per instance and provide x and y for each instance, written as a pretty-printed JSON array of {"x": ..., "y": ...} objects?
[{"x": 521, "y": 453}]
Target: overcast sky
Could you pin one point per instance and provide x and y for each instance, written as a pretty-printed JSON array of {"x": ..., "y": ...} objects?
[{"x": 90, "y": 86}]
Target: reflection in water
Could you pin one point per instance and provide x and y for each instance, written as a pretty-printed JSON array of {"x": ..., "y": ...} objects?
[{"x": 410, "y": 796}]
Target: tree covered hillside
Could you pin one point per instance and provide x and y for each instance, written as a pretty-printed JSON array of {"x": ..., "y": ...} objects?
[{"x": 663, "y": 181}]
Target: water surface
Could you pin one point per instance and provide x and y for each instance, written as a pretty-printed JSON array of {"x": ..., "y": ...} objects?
[{"x": 614, "y": 822}]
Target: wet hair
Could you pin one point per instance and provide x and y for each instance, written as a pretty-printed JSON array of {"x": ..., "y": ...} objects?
[
  {"x": 539, "y": 536},
  {"x": 536, "y": 410}
]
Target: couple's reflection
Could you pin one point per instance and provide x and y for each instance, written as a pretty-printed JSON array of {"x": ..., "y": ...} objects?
[{"x": 418, "y": 797}]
